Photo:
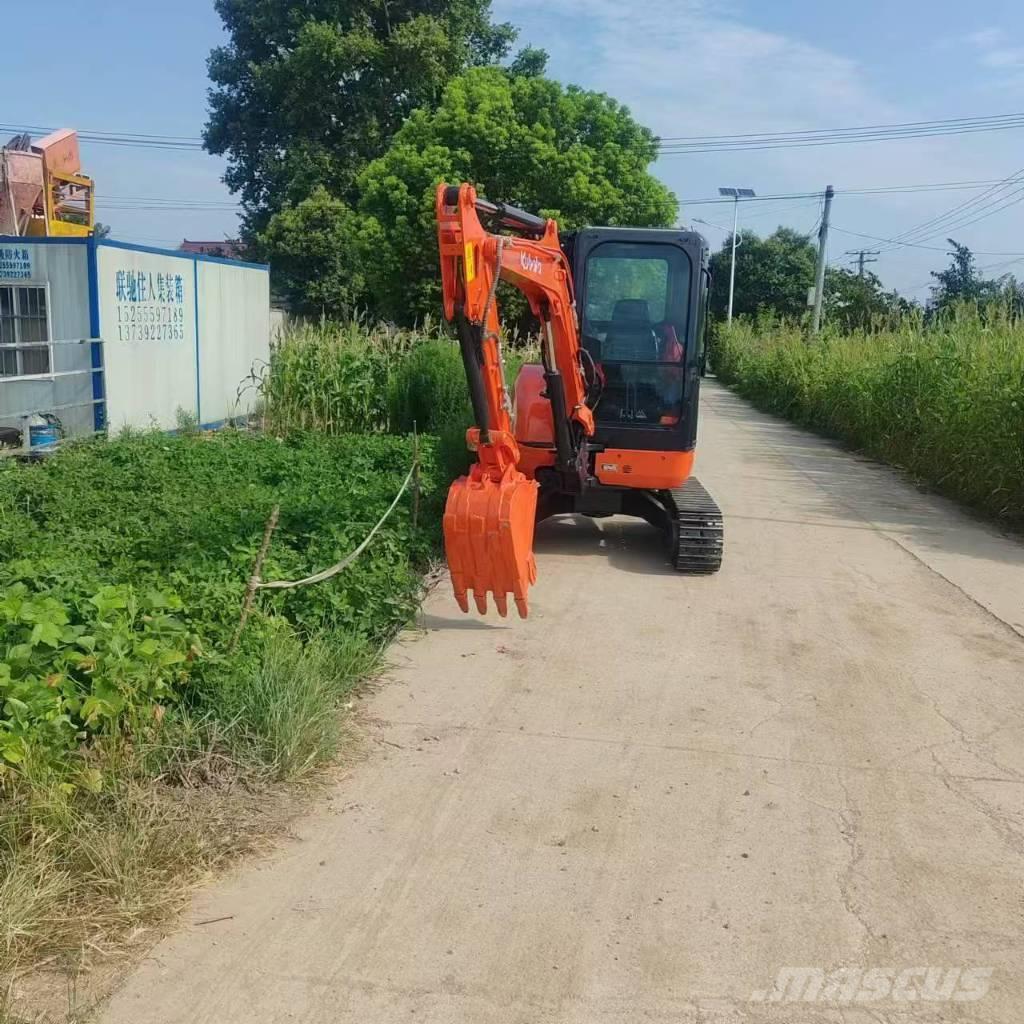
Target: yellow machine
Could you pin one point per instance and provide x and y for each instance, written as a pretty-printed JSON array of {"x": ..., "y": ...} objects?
[{"x": 42, "y": 190}]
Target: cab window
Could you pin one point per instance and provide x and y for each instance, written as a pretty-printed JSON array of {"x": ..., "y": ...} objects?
[{"x": 634, "y": 326}]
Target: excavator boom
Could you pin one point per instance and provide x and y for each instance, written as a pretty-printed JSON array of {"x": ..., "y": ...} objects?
[{"x": 490, "y": 514}]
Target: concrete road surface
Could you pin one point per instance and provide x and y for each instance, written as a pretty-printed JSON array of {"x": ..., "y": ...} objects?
[{"x": 658, "y": 792}]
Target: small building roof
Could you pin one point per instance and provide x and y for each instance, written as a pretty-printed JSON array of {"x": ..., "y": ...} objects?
[{"x": 229, "y": 248}]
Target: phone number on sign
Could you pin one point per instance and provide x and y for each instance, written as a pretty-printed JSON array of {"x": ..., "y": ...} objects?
[{"x": 150, "y": 323}]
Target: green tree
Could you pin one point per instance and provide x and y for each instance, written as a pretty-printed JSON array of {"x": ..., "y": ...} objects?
[
  {"x": 306, "y": 94},
  {"x": 557, "y": 151},
  {"x": 855, "y": 302},
  {"x": 960, "y": 281},
  {"x": 317, "y": 255},
  {"x": 772, "y": 274}
]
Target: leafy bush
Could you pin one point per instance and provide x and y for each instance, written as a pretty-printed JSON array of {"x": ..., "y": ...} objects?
[
  {"x": 946, "y": 402},
  {"x": 428, "y": 388},
  {"x": 126, "y": 712},
  {"x": 68, "y": 670},
  {"x": 123, "y": 566}
]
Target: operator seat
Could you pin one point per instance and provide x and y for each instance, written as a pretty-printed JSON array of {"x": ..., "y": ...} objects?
[{"x": 630, "y": 335}]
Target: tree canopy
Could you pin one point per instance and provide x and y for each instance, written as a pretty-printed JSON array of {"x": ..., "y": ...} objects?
[
  {"x": 774, "y": 275},
  {"x": 339, "y": 118},
  {"x": 306, "y": 95},
  {"x": 557, "y": 151}
]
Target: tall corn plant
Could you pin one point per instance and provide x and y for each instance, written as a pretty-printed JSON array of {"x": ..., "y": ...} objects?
[
  {"x": 945, "y": 401},
  {"x": 332, "y": 377}
]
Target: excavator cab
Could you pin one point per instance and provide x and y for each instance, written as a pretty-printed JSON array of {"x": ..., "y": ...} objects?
[
  {"x": 606, "y": 422},
  {"x": 641, "y": 299}
]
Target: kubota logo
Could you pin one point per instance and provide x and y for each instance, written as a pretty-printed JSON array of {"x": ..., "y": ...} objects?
[{"x": 530, "y": 263}]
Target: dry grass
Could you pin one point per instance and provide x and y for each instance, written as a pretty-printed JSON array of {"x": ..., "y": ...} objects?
[
  {"x": 94, "y": 856},
  {"x": 83, "y": 875}
]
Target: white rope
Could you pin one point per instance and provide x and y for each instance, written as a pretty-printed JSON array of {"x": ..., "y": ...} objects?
[{"x": 348, "y": 559}]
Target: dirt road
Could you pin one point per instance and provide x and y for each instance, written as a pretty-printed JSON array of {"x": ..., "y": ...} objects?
[{"x": 645, "y": 801}]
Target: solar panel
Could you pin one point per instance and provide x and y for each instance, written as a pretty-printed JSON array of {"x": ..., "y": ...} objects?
[
  {"x": 745, "y": 193},
  {"x": 727, "y": 192}
]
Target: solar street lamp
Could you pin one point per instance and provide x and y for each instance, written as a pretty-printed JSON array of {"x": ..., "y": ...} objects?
[{"x": 736, "y": 194}]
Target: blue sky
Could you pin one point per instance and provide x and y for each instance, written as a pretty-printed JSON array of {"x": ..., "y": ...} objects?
[{"x": 684, "y": 67}]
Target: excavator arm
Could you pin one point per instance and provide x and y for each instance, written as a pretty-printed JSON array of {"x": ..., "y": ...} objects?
[{"x": 489, "y": 517}]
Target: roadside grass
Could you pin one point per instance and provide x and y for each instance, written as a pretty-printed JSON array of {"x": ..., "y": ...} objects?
[
  {"x": 82, "y": 871},
  {"x": 944, "y": 401},
  {"x": 282, "y": 718},
  {"x": 138, "y": 750}
]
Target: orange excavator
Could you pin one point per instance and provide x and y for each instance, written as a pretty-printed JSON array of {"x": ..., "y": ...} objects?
[{"x": 606, "y": 424}]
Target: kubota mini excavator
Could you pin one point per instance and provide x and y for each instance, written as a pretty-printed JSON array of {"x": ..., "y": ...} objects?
[{"x": 607, "y": 422}]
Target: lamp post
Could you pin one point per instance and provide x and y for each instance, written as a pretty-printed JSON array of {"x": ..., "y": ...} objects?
[{"x": 736, "y": 194}]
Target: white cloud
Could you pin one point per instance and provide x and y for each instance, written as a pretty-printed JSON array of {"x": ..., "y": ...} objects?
[
  {"x": 995, "y": 50},
  {"x": 986, "y": 38}
]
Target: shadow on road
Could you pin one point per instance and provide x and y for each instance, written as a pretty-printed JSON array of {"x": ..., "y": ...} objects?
[
  {"x": 463, "y": 622},
  {"x": 630, "y": 545}
]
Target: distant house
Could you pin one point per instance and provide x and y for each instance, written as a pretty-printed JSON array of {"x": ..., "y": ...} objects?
[{"x": 228, "y": 249}]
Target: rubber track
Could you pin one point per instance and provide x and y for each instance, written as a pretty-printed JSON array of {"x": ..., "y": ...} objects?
[{"x": 698, "y": 533}]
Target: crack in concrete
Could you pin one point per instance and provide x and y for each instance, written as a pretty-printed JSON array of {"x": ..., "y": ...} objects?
[
  {"x": 1001, "y": 825},
  {"x": 850, "y": 818},
  {"x": 962, "y": 735},
  {"x": 627, "y": 744}
]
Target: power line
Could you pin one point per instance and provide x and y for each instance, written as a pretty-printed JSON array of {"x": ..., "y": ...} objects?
[
  {"x": 918, "y": 232},
  {"x": 671, "y": 145},
  {"x": 836, "y": 136},
  {"x": 821, "y": 131},
  {"x": 941, "y": 186},
  {"x": 151, "y": 201},
  {"x": 692, "y": 149},
  {"x": 943, "y": 125},
  {"x": 970, "y": 216},
  {"x": 141, "y": 141},
  {"x": 96, "y": 131},
  {"x": 917, "y": 245}
]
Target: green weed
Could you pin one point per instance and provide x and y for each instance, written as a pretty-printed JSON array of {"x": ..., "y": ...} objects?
[
  {"x": 283, "y": 714},
  {"x": 944, "y": 401}
]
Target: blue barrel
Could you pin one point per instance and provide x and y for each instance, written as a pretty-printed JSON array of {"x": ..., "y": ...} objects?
[{"x": 43, "y": 436}]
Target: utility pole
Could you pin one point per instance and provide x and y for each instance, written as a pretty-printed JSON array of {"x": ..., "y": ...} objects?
[
  {"x": 819, "y": 271},
  {"x": 732, "y": 266},
  {"x": 736, "y": 194},
  {"x": 862, "y": 258}
]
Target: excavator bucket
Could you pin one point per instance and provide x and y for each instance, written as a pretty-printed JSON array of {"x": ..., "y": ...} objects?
[{"x": 488, "y": 538}]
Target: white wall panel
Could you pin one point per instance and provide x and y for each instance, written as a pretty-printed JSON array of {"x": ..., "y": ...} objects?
[
  {"x": 147, "y": 311},
  {"x": 234, "y": 336},
  {"x": 179, "y": 333}
]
